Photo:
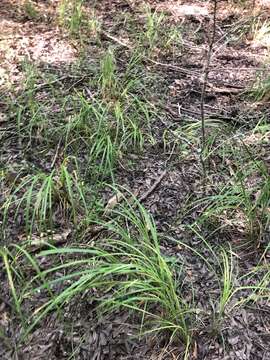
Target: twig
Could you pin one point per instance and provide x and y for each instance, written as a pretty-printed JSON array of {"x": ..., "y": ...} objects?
[
  {"x": 205, "y": 81},
  {"x": 115, "y": 39},
  {"x": 219, "y": 69},
  {"x": 145, "y": 195},
  {"x": 113, "y": 201},
  {"x": 76, "y": 83},
  {"x": 210, "y": 115},
  {"x": 168, "y": 66},
  {"x": 94, "y": 230},
  {"x": 173, "y": 67},
  {"x": 45, "y": 84},
  {"x": 230, "y": 89},
  {"x": 56, "y": 154},
  {"x": 60, "y": 80}
]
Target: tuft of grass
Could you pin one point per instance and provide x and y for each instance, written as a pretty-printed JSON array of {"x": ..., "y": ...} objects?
[
  {"x": 130, "y": 267},
  {"x": 260, "y": 32},
  {"x": 90, "y": 129},
  {"x": 227, "y": 282},
  {"x": 242, "y": 202},
  {"x": 94, "y": 25},
  {"x": 31, "y": 75},
  {"x": 188, "y": 135},
  {"x": 153, "y": 23},
  {"x": 261, "y": 90},
  {"x": 234, "y": 290},
  {"x": 71, "y": 15},
  {"x": 30, "y": 10},
  {"x": 127, "y": 269},
  {"x": 173, "y": 39},
  {"x": 159, "y": 34},
  {"x": 108, "y": 81},
  {"x": 6, "y": 257},
  {"x": 37, "y": 196},
  {"x": 103, "y": 132}
]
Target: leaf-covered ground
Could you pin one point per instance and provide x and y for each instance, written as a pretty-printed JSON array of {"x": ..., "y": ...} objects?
[{"x": 115, "y": 243}]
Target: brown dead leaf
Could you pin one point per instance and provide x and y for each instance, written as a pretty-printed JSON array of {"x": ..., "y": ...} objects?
[{"x": 113, "y": 201}]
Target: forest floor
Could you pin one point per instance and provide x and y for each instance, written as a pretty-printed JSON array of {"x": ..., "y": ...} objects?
[{"x": 123, "y": 235}]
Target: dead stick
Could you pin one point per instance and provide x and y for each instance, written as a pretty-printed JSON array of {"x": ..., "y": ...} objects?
[
  {"x": 153, "y": 187},
  {"x": 56, "y": 154},
  {"x": 95, "y": 230},
  {"x": 205, "y": 81}
]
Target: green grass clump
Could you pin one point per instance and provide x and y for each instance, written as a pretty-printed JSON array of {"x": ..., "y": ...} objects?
[
  {"x": 103, "y": 133},
  {"x": 261, "y": 90},
  {"x": 100, "y": 129},
  {"x": 130, "y": 267},
  {"x": 127, "y": 270},
  {"x": 153, "y": 23},
  {"x": 108, "y": 80},
  {"x": 71, "y": 15},
  {"x": 160, "y": 35},
  {"x": 242, "y": 199},
  {"x": 37, "y": 196},
  {"x": 30, "y": 10}
]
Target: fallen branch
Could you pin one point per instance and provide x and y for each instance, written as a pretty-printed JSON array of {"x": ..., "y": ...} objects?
[
  {"x": 145, "y": 195},
  {"x": 224, "y": 90},
  {"x": 38, "y": 242}
]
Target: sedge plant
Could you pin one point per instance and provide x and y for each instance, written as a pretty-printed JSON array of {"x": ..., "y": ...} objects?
[
  {"x": 130, "y": 267},
  {"x": 71, "y": 15},
  {"x": 35, "y": 196},
  {"x": 238, "y": 197}
]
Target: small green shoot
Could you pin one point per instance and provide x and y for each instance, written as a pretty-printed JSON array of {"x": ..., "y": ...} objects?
[{"x": 71, "y": 15}]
